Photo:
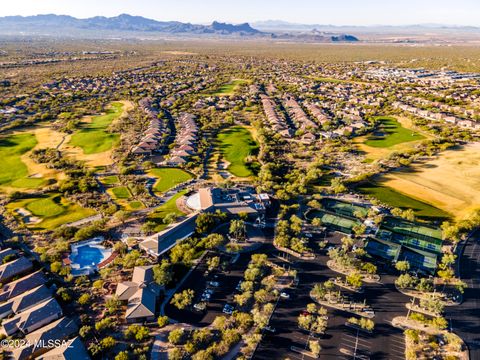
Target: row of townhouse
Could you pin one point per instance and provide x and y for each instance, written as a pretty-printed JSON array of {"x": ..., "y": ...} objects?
[
  {"x": 185, "y": 140},
  {"x": 296, "y": 112},
  {"x": 28, "y": 310},
  {"x": 156, "y": 133},
  {"x": 317, "y": 112},
  {"x": 429, "y": 115},
  {"x": 276, "y": 122},
  {"x": 301, "y": 119}
]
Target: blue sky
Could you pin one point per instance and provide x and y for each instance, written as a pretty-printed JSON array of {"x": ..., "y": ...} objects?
[{"x": 337, "y": 12}]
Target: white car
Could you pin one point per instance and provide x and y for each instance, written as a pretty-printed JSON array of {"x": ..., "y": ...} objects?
[
  {"x": 285, "y": 295},
  {"x": 200, "y": 306},
  {"x": 214, "y": 283}
]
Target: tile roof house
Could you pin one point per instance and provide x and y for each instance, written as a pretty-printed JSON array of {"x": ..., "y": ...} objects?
[
  {"x": 25, "y": 301},
  {"x": 72, "y": 350},
  {"x": 14, "y": 268},
  {"x": 141, "y": 294},
  {"x": 36, "y": 342},
  {"x": 22, "y": 285},
  {"x": 33, "y": 318}
]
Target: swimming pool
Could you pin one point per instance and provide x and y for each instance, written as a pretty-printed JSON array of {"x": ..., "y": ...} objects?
[{"x": 87, "y": 255}]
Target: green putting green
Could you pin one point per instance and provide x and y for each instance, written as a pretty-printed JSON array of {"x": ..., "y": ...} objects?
[
  {"x": 46, "y": 207},
  {"x": 111, "y": 180},
  {"x": 236, "y": 144},
  {"x": 13, "y": 171},
  {"x": 52, "y": 209},
  {"x": 121, "y": 192},
  {"x": 390, "y": 132},
  {"x": 94, "y": 137},
  {"x": 169, "y": 178}
]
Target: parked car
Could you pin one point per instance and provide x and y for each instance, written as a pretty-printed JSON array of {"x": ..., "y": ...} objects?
[
  {"x": 228, "y": 309},
  {"x": 285, "y": 295},
  {"x": 214, "y": 283},
  {"x": 270, "y": 329},
  {"x": 200, "y": 306},
  {"x": 239, "y": 286}
]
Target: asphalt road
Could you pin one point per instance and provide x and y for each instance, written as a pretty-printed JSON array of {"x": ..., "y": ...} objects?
[
  {"x": 465, "y": 318},
  {"x": 339, "y": 342}
]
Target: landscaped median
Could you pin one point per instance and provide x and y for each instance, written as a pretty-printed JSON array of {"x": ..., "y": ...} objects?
[
  {"x": 346, "y": 285},
  {"x": 304, "y": 256},
  {"x": 362, "y": 324},
  {"x": 427, "y": 295},
  {"x": 325, "y": 294},
  {"x": 369, "y": 278},
  {"x": 418, "y": 340}
]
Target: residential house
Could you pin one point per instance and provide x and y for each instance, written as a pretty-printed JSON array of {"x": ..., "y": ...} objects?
[
  {"x": 33, "y": 318},
  {"x": 140, "y": 294}
]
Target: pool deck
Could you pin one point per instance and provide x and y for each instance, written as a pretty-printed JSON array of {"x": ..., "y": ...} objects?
[{"x": 77, "y": 269}]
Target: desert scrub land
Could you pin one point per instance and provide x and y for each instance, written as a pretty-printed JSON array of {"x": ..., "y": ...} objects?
[
  {"x": 47, "y": 212},
  {"x": 236, "y": 144},
  {"x": 168, "y": 178},
  {"x": 94, "y": 136},
  {"x": 14, "y": 172},
  {"x": 449, "y": 181}
]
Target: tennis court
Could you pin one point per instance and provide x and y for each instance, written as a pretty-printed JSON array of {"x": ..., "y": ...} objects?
[
  {"x": 344, "y": 208},
  {"x": 337, "y": 222},
  {"x": 403, "y": 226}
]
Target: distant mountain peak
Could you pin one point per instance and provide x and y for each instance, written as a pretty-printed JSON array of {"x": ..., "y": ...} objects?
[{"x": 244, "y": 28}]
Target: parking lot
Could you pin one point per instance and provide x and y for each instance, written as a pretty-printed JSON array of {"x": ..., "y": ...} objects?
[
  {"x": 340, "y": 341},
  {"x": 222, "y": 294}
]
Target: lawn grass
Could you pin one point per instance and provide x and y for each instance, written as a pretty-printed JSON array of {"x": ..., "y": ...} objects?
[
  {"x": 121, "y": 192},
  {"x": 13, "y": 171},
  {"x": 394, "y": 198},
  {"x": 169, "y": 178},
  {"x": 135, "y": 205},
  {"x": 236, "y": 144},
  {"x": 228, "y": 88},
  {"x": 46, "y": 207},
  {"x": 111, "y": 180},
  {"x": 169, "y": 207},
  {"x": 94, "y": 137},
  {"x": 52, "y": 209},
  {"x": 391, "y": 133}
]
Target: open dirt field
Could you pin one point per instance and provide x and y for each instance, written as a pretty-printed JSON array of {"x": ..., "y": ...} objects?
[{"x": 450, "y": 181}]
